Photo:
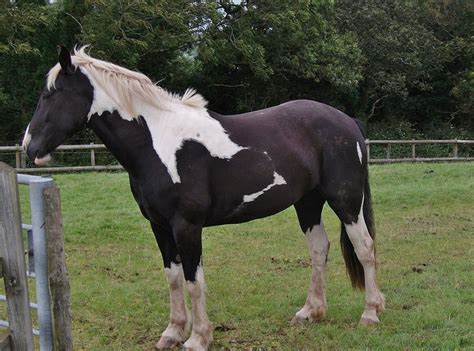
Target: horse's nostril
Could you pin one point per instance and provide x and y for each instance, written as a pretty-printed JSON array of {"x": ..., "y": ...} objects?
[{"x": 31, "y": 152}]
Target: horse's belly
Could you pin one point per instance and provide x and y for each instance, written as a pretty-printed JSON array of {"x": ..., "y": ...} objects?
[
  {"x": 266, "y": 206},
  {"x": 242, "y": 194}
]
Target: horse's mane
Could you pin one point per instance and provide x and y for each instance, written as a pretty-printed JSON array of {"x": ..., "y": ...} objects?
[{"x": 124, "y": 85}]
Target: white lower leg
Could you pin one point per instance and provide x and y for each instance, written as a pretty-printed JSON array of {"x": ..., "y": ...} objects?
[
  {"x": 176, "y": 330},
  {"x": 315, "y": 305},
  {"x": 201, "y": 334},
  {"x": 364, "y": 248}
]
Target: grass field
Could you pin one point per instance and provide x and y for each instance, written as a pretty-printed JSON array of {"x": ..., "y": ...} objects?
[{"x": 258, "y": 273}]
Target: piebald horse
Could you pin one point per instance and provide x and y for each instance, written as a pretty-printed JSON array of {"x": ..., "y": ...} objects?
[{"x": 191, "y": 168}]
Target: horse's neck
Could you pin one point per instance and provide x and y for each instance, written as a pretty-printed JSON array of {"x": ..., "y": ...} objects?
[
  {"x": 162, "y": 133},
  {"x": 126, "y": 140}
]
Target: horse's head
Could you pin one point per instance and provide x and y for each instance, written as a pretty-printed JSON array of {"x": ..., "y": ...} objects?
[{"x": 61, "y": 111}]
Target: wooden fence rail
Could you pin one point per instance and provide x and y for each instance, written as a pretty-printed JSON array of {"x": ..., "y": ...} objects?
[
  {"x": 21, "y": 165},
  {"x": 414, "y": 158}
]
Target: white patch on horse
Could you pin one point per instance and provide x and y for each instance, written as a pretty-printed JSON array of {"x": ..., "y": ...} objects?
[
  {"x": 359, "y": 152},
  {"x": 102, "y": 102},
  {"x": 364, "y": 249},
  {"x": 42, "y": 161},
  {"x": 26, "y": 138},
  {"x": 176, "y": 330},
  {"x": 201, "y": 334},
  {"x": 171, "y": 119},
  {"x": 170, "y": 129},
  {"x": 315, "y": 305},
  {"x": 277, "y": 180}
]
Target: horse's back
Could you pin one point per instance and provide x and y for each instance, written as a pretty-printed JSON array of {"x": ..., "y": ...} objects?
[
  {"x": 290, "y": 117},
  {"x": 303, "y": 131},
  {"x": 293, "y": 144}
]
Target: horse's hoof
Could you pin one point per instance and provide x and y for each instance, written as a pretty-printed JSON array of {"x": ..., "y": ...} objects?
[
  {"x": 309, "y": 314},
  {"x": 297, "y": 320},
  {"x": 167, "y": 343},
  {"x": 366, "y": 321},
  {"x": 193, "y": 347}
]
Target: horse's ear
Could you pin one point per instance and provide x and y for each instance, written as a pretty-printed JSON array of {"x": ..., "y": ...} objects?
[{"x": 65, "y": 59}]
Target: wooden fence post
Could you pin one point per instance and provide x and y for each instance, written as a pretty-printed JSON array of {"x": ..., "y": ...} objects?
[
  {"x": 17, "y": 156},
  {"x": 58, "y": 276},
  {"x": 12, "y": 253},
  {"x": 4, "y": 337},
  {"x": 23, "y": 158},
  {"x": 92, "y": 155},
  {"x": 367, "y": 145}
]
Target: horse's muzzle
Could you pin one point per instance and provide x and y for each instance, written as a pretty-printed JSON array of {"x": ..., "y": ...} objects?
[{"x": 39, "y": 157}]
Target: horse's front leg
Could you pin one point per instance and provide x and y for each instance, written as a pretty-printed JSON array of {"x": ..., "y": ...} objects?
[
  {"x": 175, "y": 333},
  {"x": 188, "y": 241}
]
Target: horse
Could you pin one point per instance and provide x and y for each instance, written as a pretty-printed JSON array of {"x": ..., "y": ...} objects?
[{"x": 191, "y": 168}]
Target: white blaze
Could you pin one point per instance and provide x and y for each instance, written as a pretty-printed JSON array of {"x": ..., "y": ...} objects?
[{"x": 26, "y": 138}]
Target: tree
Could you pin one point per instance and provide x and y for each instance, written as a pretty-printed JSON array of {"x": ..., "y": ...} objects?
[
  {"x": 27, "y": 48},
  {"x": 150, "y": 36},
  {"x": 257, "y": 54},
  {"x": 415, "y": 55}
]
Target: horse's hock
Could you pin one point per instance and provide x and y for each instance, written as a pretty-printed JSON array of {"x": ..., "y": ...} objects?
[{"x": 46, "y": 264}]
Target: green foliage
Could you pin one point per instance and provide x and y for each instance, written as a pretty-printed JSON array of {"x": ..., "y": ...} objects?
[
  {"x": 26, "y": 46},
  {"x": 391, "y": 63},
  {"x": 268, "y": 52}
]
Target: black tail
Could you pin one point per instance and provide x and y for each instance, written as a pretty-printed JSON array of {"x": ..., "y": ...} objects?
[{"x": 353, "y": 265}]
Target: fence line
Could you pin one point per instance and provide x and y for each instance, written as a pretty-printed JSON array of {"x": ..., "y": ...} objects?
[{"x": 21, "y": 166}]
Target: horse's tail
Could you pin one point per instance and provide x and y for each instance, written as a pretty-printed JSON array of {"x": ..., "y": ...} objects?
[{"x": 353, "y": 265}]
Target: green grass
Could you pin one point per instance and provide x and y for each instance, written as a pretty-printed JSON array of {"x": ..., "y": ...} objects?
[{"x": 258, "y": 273}]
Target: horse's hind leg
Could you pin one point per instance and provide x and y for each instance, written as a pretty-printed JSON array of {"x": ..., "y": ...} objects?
[
  {"x": 309, "y": 215},
  {"x": 363, "y": 244},
  {"x": 354, "y": 210}
]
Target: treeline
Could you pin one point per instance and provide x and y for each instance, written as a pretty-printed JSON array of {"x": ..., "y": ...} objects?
[{"x": 403, "y": 66}]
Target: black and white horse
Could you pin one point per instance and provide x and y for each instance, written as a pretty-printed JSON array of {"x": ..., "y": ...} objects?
[{"x": 190, "y": 168}]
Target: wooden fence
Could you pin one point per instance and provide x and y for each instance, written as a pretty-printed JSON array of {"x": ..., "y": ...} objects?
[
  {"x": 388, "y": 145},
  {"x": 454, "y": 156}
]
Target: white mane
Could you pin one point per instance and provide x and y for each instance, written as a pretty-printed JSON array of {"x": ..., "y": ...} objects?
[{"x": 124, "y": 86}]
